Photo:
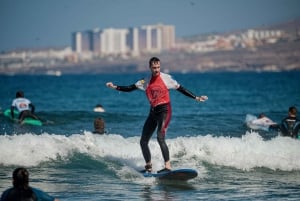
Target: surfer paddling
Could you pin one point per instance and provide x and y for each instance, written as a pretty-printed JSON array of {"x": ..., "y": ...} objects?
[
  {"x": 21, "y": 189},
  {"x": 157, "y": 91},
  {"x": 24, "y": 107}
]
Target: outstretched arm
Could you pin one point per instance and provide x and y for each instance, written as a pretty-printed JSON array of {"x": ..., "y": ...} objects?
[
  {"x": 121, "y": 88},
  {"x": 191, "y": 95}
]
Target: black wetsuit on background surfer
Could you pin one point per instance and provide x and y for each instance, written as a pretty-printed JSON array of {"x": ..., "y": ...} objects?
[
  {"x": 290, "y": 126},
  {"x": 157, "y": 91}
]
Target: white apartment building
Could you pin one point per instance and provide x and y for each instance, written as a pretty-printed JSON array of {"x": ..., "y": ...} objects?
[
  {"x": 113, "y": 41},
  {"x": 262, "y": 34},
  {"x": 133, "y": 41},
  {"x": 155, "y": 38},
  {"x": 77, "y": 42},
  {"x": 168, "y": 36}
]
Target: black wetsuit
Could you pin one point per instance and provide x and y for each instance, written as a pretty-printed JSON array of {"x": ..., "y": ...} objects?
[
  {"x": 159, "y": 117},
  {"x": 29, "y": 194},
  {"x": 290, "y": 127}
]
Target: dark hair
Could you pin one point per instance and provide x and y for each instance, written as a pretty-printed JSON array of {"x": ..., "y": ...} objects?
[
  {"x": 20, "y": 94},
  {"x": 293, "y": 110},
  {"x": 21, "y": 190},
  {"x": 261, "y": 115},
  {"x": 153, "y": 60},
  {"x": 20, "y": 178}
]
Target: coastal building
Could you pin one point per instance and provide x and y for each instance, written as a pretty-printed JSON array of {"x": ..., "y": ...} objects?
[
  {"x": 262, "y": 34},
  {"x": 96, "y": 41},
  {"x": 131, "y": 41},
  {"x": 82, "y": 41},
  {"x": 113, "y": 41},
  {"x": 156, "y": 38},
  {"x": 168, "y": 36},
  {"x": 76, "y": 42}
]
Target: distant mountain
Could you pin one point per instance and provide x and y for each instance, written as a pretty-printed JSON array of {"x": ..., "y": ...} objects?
[{"x": 289, "y": 26}]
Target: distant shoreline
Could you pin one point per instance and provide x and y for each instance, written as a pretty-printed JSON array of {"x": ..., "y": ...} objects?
[{"x": 283, "y": 56}]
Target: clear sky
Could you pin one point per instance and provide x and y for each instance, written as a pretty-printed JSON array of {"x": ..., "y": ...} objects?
[{"x": 49, "y": 23}]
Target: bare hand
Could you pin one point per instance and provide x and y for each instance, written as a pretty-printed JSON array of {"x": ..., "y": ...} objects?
[
  {"x": 111, "y": 85},
  {"x": 201, "y": 98}
]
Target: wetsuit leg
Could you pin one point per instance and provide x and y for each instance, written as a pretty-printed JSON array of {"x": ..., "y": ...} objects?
[
  {"x": 22, "y": 115},
  {"x": 148, "y": 129},
  {"x": 164, "y": 118},
  {"x": 26, "y": 113}
]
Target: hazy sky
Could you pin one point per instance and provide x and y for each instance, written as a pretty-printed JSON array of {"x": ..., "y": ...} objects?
[{"x": 48, "y": 23}]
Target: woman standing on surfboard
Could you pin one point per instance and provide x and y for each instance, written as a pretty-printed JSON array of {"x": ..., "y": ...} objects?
[{"x": 157, "y": 91}]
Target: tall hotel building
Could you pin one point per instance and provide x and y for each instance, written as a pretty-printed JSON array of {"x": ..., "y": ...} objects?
[
  {"x": 76, "y": 42},
  {"x": 131, "y": 41},
  {"x": 113, "y": 41},
  {"x": 82, "y": 41}
]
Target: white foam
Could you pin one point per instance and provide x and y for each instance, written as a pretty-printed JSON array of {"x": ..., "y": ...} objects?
[{"x": 245, "y": 153}]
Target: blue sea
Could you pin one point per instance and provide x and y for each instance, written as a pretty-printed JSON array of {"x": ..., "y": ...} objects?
[{"x": 68, "y": 161}]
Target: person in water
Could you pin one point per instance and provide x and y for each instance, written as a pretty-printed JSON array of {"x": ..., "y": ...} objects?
[
  {"x": 24, "y": 107},
  {"x": 265, "y": 121},
  {"x": 21, "y": 191},
  {"x": 291, "y": 124},
  {"x": 99, "y": 126},
  {"x": 157, "y": 91},
  {"x": 99, "y": 108}
]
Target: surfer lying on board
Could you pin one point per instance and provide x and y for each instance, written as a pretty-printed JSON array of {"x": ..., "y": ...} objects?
[
  {"x": 262, "y": 122},
  {"x": 157, "y": 91},
  {"x": 23, "y": 105}
]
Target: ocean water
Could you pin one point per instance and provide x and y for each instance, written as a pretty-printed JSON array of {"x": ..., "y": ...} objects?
[{"x": 233, "y": 162}]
